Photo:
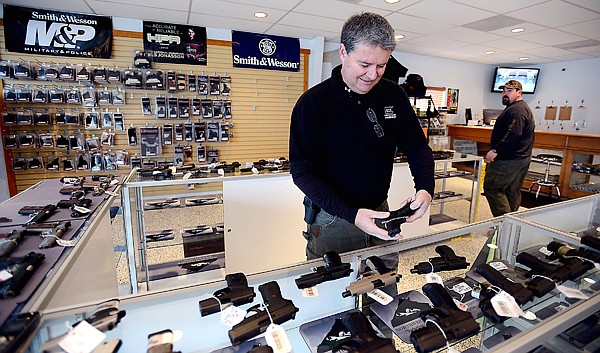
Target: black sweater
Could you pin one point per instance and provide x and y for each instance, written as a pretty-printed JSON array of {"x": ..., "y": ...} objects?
[
  {"x": 513, "y": 133},
  {"x": 337, "y": 159}
]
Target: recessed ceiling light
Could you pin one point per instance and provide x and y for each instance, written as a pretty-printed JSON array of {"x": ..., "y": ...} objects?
[
  {"x": 260, "y": 14},
  {"x": 523, "y": 58},
  {"x": 399, "y": 36},
  {"x": 489, "y": 52},
  {"x": 517, "y": 30},
  {"x": 392, "y": 1}
]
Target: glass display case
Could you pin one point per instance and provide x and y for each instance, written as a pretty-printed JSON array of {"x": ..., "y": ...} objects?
[
  {"x": 585, "y": 173},
  {"x": 555, "y": 325}
]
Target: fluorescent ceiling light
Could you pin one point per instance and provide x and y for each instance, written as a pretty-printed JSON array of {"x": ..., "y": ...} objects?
[
  {"x": 523, "y": 58},
  {"x": 489, "y": 52},
  {"x": 392, "y": 1},
  {"x": 399, "y": 36},
  {"x": 517, "y": 30},
  {"x": 260, "y": 14}
]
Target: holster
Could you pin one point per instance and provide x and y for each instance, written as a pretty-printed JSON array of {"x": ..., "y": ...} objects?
[{"x": 311, "y": 210}]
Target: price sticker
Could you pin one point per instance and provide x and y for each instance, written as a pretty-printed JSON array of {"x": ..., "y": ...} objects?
[
  {"x": 572, "y": 292},
  {"x": 65, "y": 243},
  {"x": 462, "y": 288},
  {"x": 310, "y": 292},
  {"x": 462, "y": 306},
  {"x": 544, "y": 250},
  {"x": 232, "y": 315},
  {"x": 434, "y": 278},
  {"x": 277, "y": 339},
  {"x": 380, "y": 296},
  {"x": 505, "y": 305},
  {"x": 4, "y": 275},
  {"x": 498, "y": 266},
  {"x": 83, "y": 338}
]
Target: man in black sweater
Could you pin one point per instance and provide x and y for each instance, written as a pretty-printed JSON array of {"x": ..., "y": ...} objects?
[
  {"x": 344, "y": 134},
  {"x": 510, "y": 155}
]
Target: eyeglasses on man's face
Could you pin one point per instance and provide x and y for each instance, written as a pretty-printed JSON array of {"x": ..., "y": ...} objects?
[{"x": 373, "y": 118}]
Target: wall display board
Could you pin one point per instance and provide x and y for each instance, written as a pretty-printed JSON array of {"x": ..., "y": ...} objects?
[{"x": 62, "y": 115}]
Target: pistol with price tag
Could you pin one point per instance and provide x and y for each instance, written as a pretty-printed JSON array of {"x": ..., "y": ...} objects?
[
  {"x": 50, "y": 231},
  {"x": 378, "y": 276},
  {"x": 445, "y": 315},
  {"x": 278, "y": 310},
  {"x": 333, "y": 269},
  {"x": 236, "y": 293},
  {"x": 363, "y": 338},
  {"x": 447, "y": 261}
]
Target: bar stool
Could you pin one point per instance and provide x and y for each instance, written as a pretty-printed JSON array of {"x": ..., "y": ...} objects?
[{"x": 548, "y": 159}]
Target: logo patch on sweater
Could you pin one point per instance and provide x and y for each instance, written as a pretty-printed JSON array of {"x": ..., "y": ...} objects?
[{"x": 388, "y": 112}]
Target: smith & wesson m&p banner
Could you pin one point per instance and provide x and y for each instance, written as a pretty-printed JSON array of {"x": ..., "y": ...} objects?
[{"x": 48, "y": 32}]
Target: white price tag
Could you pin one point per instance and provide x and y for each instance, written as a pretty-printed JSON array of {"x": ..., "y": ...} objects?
[
  {"x": 4, "y": 275},
  {"x": 232, "y": 315},
  {"x": 434, "y": 278},
  {"x": 498, "y": 266},
  {"x": 310, "y": 292},
  {"x": 221, "y": 172},
  {"x": 254, "y": 170},
  {"x": 380, "y": 296},
  {"x": 277, "y": 339},
  {"x": 81, "y": 209},
  {"x": 505, "y": 305},
  {"x": 186, "y": 176},
  {"x": 65, "y": 243},
  {"x": 572, "y": 292},
  {"x": 83, "y": 338},
  {"x": 110, "y": 193},
  {"x": 462, "y": 288},
  {"x": 452, "y": 350},
  {"x": 544, "y": 250},
  {"x": 114, "y": 182}
]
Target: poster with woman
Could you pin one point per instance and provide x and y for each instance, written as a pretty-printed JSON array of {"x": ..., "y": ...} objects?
[{"x": 452, "y": 100}]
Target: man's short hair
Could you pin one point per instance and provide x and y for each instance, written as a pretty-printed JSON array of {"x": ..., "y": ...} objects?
[{"x": 370, "y": 29}]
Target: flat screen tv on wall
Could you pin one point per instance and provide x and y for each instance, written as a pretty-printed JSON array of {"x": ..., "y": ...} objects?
[{"x": 527, "y": 76}]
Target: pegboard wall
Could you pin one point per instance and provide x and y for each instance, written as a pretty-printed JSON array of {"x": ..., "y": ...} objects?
[{"x": 261, "y": 103}]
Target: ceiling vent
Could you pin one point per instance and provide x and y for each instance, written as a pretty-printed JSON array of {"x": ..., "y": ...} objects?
[{"x": 493, "y": 23}]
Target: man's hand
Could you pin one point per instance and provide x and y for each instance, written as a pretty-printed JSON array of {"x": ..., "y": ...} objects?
[
  {"x": 490, "y": 156},
  {"x": 422, "y": 202},
  {"x": 365, "y": 220}
]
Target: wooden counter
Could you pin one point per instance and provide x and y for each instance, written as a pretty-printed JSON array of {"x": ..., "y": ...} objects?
[{"x": 569, "y": 144}]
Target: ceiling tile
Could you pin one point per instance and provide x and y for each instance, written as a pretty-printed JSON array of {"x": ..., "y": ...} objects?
[
  {"x": 266, "y": 4},
  {"x": 380, "y": 4},
  {"x": 179, "y": 5},
  {"x": 550, "y": 37},
  {"x": 513, "y": 44},
  {"x": 547, "y": 52},
  {"x": 313, "y": 22},
  {"x": 468, "y": 35},
  {"x": 446, "y": 11},
  {"x": 500, "y": 7},
  {"x": 414, "y": 24},
  {"x": 437, "y": 42},
  {"x": 529, "y": 28},
  {"x": 204, "y": 20},
  {"x": 235, "y": 11},
  {"x": 590, "y": 29},
  {"x": 588, "y": 4},
  {"x": 292, "y": 31},
  {"x": 140, "y": 12},
  {"x": 335, "y": 9},
  {"x": 554, "y": 14}
]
